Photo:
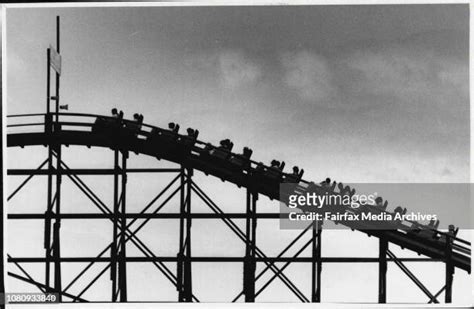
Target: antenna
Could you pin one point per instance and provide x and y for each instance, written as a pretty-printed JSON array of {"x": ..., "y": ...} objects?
[
  {"x": 54, "y": 62},
  {"x": 57, "y": 71}
]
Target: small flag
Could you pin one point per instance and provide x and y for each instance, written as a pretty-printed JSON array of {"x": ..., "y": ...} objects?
[{"x": 55, "y": 60}]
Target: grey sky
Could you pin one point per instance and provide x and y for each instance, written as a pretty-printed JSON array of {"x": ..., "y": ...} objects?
[
  {"x": 356, "y": 93},
  {"x": 387, "y": 83}
]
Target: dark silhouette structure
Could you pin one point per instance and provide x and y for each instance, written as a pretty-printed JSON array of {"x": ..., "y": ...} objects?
[
  {"x": 192, "y": 154},
  {"x": 56, "y": 130}
]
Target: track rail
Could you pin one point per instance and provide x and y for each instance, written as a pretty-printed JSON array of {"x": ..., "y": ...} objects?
[{"x": 77, "y": 129}]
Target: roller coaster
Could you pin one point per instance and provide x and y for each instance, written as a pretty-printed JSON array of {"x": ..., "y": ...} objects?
[
  {"x": 57, "y": 130},
  {"x": 124, "y": 136}
]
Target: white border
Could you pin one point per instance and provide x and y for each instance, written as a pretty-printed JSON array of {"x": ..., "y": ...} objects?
[
  {"x": 4, "y": 7},
  {"x": 4, "y": 143},
  {"x": 230, "y": 3}
]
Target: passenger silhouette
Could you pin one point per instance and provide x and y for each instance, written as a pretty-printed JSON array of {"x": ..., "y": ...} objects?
[
  {"x": 379, "y": 201},
  {"x": 138, "y": 118},
  {"x": 452, "y": 230},
  {"x": 295, "y": 176},
  {"x": 400, "y": 210},
  {"x": 296, "y": 170},
  {"x": 282, "y": 165},
  {"x": 192, "y": 133},
  {"x": 226, "y": 144},
  {"x": 242, "y": 160},
  {"x": 277, "y": 165},
  {"x": 325, "y": 183},
  {"x": 247, "y": 153},
  {"x": 173, "y": 127}
]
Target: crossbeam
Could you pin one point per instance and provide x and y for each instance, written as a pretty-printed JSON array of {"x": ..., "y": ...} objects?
[
  {"x": 34, "y": 216},
  {"x": 86, "y": 171},
  {"x": 412, "y": 277},
  {"x": 13, "y": 275},
  {"x": 231, "y": 259}
]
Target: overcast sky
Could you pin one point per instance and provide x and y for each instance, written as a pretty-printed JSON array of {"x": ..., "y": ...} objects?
[
  {"x": 356, "y": 93},
  {"x": 310, "y": 85}
]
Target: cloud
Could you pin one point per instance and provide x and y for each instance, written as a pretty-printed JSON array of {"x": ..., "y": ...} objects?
[
  {"x": 407, "y": 75},
  {"x": 401, "y": 76},
  {"x": 236, "y": 69},
  {"x": 413, "y": 168},
  {"x": 454, "y": 74},
  {"x": 232, "y": 68},
  {"x": 308, "y": 74}
]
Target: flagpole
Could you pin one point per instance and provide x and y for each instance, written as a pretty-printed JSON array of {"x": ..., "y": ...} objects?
[
  {"x": 57, "y": 73},
  {"x": 48, "y": 79}
]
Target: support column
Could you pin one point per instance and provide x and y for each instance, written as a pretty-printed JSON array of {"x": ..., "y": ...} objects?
[
  {"x": 57, "y": 149},
  {"x": 47, "y": 223},
  {"x": 118, "y": 269},
  {"x": 116, "y": 218},
  {"x": 250, "y": 252},
  {"x": 122, "y": 269},
  {"x": 57, "y": 227},
  {"x": 49, "y": 198},
  {"x": 184, "y": 276},
  {"x": 449, "y": 270},
  {"x": 52, "y": 246},
  {"x": 187, "y": 272},
  {"x": 383, "y": 247},
  {"x": 316, "y": 263},
  {"x": 180, "y": 261}
]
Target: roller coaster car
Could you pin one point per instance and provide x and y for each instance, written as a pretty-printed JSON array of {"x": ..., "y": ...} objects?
[
  {"x": 320, "y": 189},
  {"x": 345, "y": 190},
  {"x": 269, "y": 178},
  {"x": 434, "y": 224},
  {"x": 295, "y": 177},
  {"x": 223, "y": 152},
  {"x": 190, "y": 139},
  {"x": 164, "y": 141},
  {"x": 275, "y": 171},
  {"x": 159, "y": 136},
  {"x": 106, "y": 125},
  {"x": 241, "y": 161},
  {"x": 452, "y": 232},
  {"x": 400, "y": 210},
  {"x": 219, "y": 156},
  {"x": 312, "y": 187},
  {"x": 379, "y": 206},
  {"x": 434, "y": 237},
  {"x": 129, "y": 130},
  {"x": 423, "y": 233},
  {"x": 326, "y": 183},
  {"x": 222, "y": 161},
  {"x": 170, "y": 136},
  {"x": 220, "y": 153}
]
